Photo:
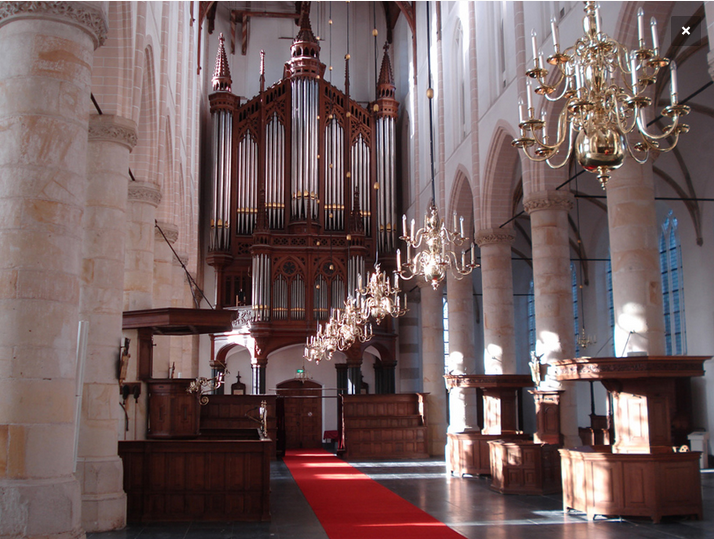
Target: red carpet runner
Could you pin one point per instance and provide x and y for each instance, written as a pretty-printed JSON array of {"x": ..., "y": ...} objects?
[{"x": 350, "y": 505}]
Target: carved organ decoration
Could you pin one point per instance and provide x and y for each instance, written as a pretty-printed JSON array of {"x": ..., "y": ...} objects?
[{"x": 304, "y": 189}]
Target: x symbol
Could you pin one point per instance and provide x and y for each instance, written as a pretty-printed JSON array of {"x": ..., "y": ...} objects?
[{"x": 685, "y": 30}]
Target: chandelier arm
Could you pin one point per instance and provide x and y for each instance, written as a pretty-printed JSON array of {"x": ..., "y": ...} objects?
[
  {"x": 665, "y": 133},
  {"x": 646, "y": 151}
]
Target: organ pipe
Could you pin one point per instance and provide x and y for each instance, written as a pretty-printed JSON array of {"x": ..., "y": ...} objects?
[
  {"x": 361, "y": 179},
  {"x": 220, "y": 217},
  {"x": 386, "y": 178}
]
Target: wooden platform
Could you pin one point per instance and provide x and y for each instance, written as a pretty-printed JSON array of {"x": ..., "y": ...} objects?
[{"x": 384, "y": 426}]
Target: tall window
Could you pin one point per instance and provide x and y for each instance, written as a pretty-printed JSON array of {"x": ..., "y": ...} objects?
[
  {"x": 610, "y": 303},
  {"x": 670, "y": 258},
  {"x": 459, "y": 87},
  {"x": 576, "y": 319},
  {"x": 531, "y": 318},
  {"x": 445, "y": 314}
]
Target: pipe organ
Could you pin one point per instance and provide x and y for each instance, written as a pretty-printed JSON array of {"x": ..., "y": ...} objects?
[{"x": 303, "y": 192}]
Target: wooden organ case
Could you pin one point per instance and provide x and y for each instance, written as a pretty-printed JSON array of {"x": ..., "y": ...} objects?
[{"x": 304, "y": 196}]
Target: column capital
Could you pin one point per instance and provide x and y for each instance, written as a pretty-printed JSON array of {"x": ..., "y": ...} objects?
[
  {"x": 112, "y": 128},
  {"x": 146, "y": 192},
  {"x": 489, "y": 236},
  {"x": 182, "y": 257},
  {"x": 83, "y": 15},
  {"x": 170, "y": 230},
  {"x": 548, "y": 200}
]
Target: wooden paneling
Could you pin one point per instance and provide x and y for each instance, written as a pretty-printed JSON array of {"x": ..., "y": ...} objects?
[
  {"x": 302, "y": 401},
  {"x": 228, "y": 416},
  {"x": 173, "y": 413},
  {"x": 384, "y": 426},
  {"x": 469, "y": 453},
  {"x": 186, "y": 480},
  {"x": 651, "y": 485},
  {"x": 524, "y": 467}
]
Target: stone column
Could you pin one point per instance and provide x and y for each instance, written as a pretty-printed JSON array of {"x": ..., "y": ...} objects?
[
  {"x": 354, "y": 369},
  {"x": 165, "y": 234},
  {"x": 142, "y": 201},
  {"x": 180, "y": 345},
  {"x": 552, "y": 288},
  {"x": 634, "y": 251},
  {"x": 99, "y": 469},
  {"x": 45, "y": 79},
  {"x": 497, "y": 284},
  {"x": 407, "y": 327},
  {"x": 432, "y": 346},
  {"x": 462, "y": 352}
]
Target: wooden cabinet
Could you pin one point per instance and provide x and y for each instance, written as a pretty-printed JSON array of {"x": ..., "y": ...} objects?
[{"x": 173, "y": 412}]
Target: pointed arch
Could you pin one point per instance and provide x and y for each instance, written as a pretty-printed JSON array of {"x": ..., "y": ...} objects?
[{"x": 500, "y": 177}]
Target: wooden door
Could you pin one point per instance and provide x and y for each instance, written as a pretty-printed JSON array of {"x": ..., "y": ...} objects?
[{"x": 303, "y": 413}]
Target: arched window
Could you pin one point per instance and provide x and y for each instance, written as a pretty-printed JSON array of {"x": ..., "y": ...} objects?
[{"x": 670, "y": 258}]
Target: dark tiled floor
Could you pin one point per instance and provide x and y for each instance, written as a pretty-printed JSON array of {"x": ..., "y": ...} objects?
[{"x": 467, "y": 505}]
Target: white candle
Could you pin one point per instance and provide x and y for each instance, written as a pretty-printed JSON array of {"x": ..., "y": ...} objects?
[
  {"x": 404, "y": 225},
  {"x": 461, "y": 226},
  {"x": 554, "y": 30},
  {"x": 633, "y": 67},
  {"x": 399, "y": 260},
  {"x": 655, "y": 36},
  {"x": 520, "y": 110},
  {"x": 463, "y": 259},
  {"x": 455, "y": 218},
  {"x": 641, "y": 27},
  {"x": 473, "y": 254},
  {"x": 534, "y": 42},
  {"x": 673, "y": 82},
  {"x": 412, "y": 234},
  {"x": 597, "y": 18},
  {"x": 529, "y": 103}
]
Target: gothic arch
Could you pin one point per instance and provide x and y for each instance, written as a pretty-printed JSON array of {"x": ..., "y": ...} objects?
[
  {"x": 502, "y": 164},
  {"x": 461, "y": 200},
  {"x": 144, "y": 157}
]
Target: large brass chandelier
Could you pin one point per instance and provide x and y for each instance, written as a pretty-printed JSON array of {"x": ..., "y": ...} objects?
[
  {"x": 602, "y": 86},
  {"x": 344, "y": 328},
  {"x": 379, "y": 298},
  {"x": 438, "y": 253}
]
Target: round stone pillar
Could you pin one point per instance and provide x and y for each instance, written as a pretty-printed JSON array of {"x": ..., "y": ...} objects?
[
  {"x": 462, "y": 352},
  {"x": 553, "y": 295},
  {"x": 165, "y": 235},
  {"x": 99, "y": 469},
  {"x": 497, "y": 278},
  {"x": 143, "y": 199},
  {"x": 634, "y": 252},
  {"x": 45, "y": 79},
  {"x": 432, "y": 346}
]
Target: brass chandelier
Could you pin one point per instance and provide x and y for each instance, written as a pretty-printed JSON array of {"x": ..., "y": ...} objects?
[
  {"x": 602, "y": 86},
  {"x": 379, "y": 298},
  {"x": 344, "y": 328},
  {"x": 439, "y": 242}
]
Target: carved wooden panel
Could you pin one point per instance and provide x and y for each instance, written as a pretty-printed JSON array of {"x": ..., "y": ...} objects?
[
  {"x": 522, "y": 467},
  {"x": 469, "y": 453},
  {"x": 173, "y": 412},
  {"x": 384, "y": 426},
  {"x": 196, "y": 480}
]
